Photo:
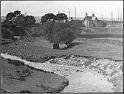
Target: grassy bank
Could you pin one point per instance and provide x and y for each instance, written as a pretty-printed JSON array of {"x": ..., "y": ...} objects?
[{"x": 20, "y": 78}]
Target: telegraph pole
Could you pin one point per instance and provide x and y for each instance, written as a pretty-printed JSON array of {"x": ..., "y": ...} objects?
[
  {"x": 25, "y": 13},
  {"x": 121, "y": 17},
  {"x": 111, "y": 16},
  {"x": 75, "y": 13},
  {"x": 118, "y": 14},
  {"x": 69, "y": 15},
  {"x": 102, "y": 16}
]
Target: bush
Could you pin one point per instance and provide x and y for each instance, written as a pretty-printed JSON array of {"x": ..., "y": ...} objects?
[
  {"x": 9, "y": 31},
  {"x": 6, "y": 33},
  {"x": 59, "y": 33},
  {"x": 100, "y": 23}
]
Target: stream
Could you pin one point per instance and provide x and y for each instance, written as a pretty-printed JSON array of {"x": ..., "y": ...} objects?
[{"x": 81, "y": 79}]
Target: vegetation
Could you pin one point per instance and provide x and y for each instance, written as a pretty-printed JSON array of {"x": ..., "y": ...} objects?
[
  {"x": 9, "y": 17},
  {"x": 29, "y": 20},
  {"x": 15, "y": 24},
  {"x": 47, "y": 17},
  {"x": 58, "y": 30},
  {"x": 17, "y": 13},
  {"x": 16, "y": 18},
  {"x": 61, "y": 16},
  {"x": 51, "y": 17},
  {"x": 100, "y": 23},
  {"x": 59, "y": 33},
  {"x": 10, "y": 31}
]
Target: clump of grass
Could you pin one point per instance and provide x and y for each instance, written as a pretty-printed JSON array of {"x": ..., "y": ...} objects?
[
  {"x": 4, "y": 91},
  {"x": 25, "y": 91},
  {"x": 15, "y": 62},
  {"x": 16, "y": 77}
]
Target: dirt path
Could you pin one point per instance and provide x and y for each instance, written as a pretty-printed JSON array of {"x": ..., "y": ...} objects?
[
  {"x": 88, "y": 81},
  {"x": 81, "y": 79}
]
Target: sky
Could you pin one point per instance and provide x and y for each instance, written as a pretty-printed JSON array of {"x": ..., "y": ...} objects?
[{"x": 39, "y": 8}]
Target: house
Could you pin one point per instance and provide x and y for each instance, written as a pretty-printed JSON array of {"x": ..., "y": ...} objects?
[{"x": 90, "y": 21}]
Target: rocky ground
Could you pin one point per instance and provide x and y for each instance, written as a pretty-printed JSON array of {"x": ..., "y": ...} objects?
[{"x": 111, "y": 69}]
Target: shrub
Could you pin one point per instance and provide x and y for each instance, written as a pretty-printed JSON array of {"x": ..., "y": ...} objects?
[{"x": 59, "y": 33}]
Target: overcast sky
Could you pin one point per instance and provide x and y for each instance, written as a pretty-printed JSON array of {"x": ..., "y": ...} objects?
[{"x": 39, "y": 8}]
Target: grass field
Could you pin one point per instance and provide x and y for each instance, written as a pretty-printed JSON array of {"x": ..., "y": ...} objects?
[{"x": 98, "y": 42}]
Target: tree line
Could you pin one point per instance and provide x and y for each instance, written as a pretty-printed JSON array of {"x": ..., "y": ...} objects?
[
  {"x": 51, "y": 17},
  {"x": 55, "y": 28},
  {"x": 16, "y": 18}
]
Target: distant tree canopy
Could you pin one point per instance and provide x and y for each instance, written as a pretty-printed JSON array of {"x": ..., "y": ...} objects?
[
  {"x": 17, "y": 13},
  {"x": 61, "y": 16},
  {"x": 16, "y": 24},
  {"x": 47, "y": 17},
  {"x": 9, "y": 17},
  {"x": 52, "y": 17},
  {"x": 16, "y": 18},
  {"x": 20, "y": 20},
  {"x": 43, "y": 19},
  {"x": 29, "y": 20}
]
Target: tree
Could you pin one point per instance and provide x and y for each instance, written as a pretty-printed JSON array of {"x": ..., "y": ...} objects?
[
  {"x": 61, "y": 16},
  {"x": 48, "y": 31},
  {"x": 17, "y": 24},
  {"x": 43, "y": 19},
  {"x": 47, "y": 17},
  {"x": 29, "y": 20},
  {"x": 58, "y": 33},
  {"x": 9, "y": 18},
  {"x": 13, "y": 17},
  {"x": 20, "y": 20},
  {"x": 17, "y": 13}
]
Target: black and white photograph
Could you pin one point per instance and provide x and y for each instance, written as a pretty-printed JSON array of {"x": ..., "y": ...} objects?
[{"x": 61, "y": 47}]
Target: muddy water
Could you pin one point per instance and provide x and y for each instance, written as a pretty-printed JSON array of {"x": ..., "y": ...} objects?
[{"x": 84, "y": 80}]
